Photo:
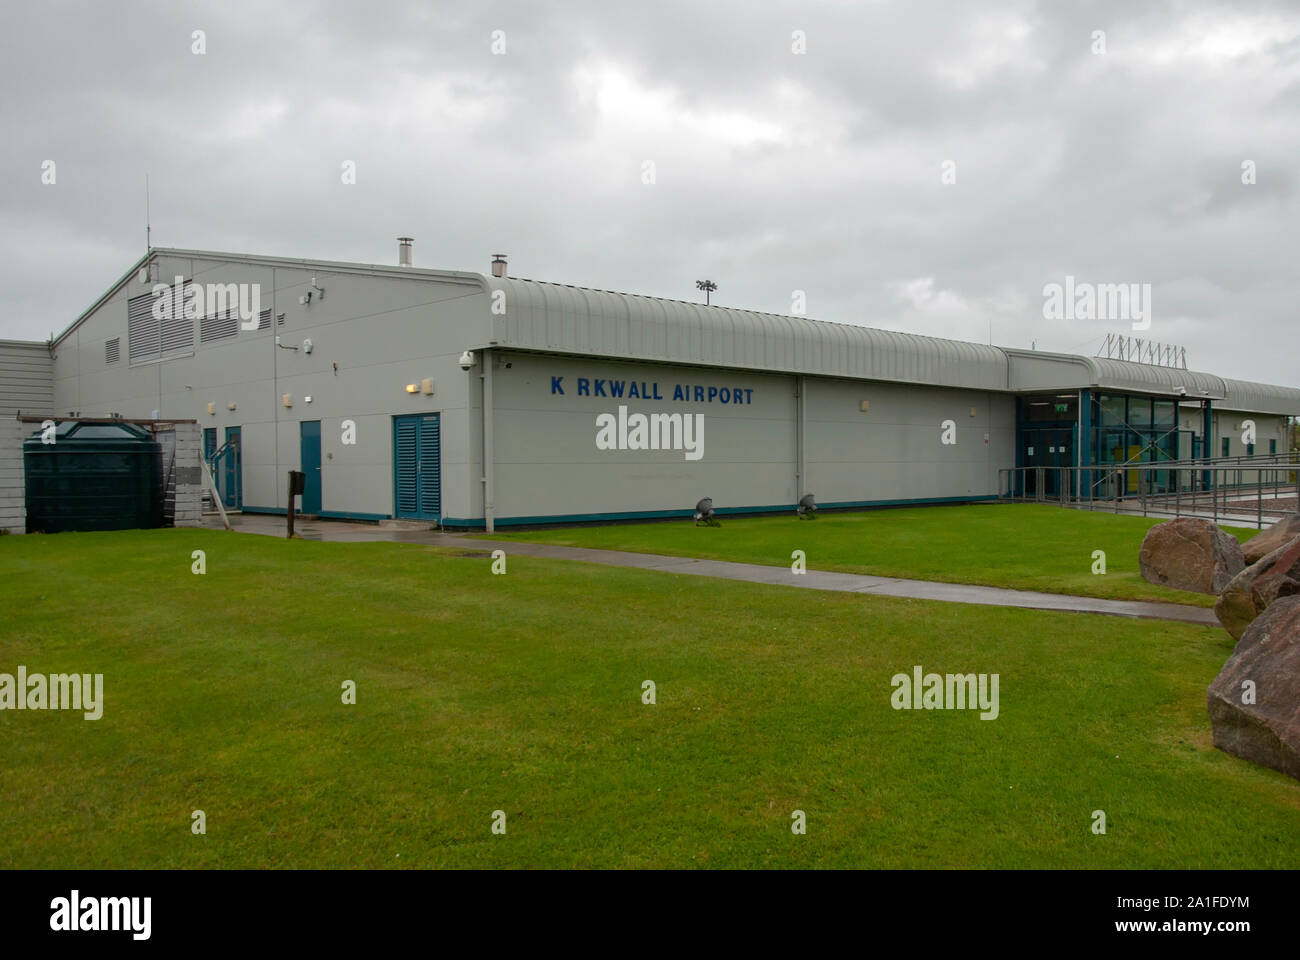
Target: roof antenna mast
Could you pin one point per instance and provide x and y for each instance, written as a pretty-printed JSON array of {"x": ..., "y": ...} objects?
[{"x": 148, "y": 229}]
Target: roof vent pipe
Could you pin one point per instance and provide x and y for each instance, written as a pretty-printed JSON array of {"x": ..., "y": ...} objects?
[
  {"x": 404, "y": 251},
  {"x": 498, "y": 264}
]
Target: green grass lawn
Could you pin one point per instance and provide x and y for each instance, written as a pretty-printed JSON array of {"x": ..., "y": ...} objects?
[
  {"x": 1023, "y": 546},
  {"x": 522, "y": 693}
]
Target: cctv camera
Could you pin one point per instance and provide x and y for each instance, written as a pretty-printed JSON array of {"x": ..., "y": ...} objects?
[{"x": 466, "y": 360}]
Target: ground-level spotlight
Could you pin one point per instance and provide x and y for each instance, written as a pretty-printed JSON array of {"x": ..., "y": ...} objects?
[
  {"x": 807, "y": 509},
  {"x": 704, "y": 513}
]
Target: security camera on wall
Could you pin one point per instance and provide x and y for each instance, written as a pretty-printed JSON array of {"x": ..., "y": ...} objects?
[{"x": 466, "y": 360}]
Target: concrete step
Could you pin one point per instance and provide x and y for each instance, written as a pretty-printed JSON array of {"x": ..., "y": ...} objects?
[{"x": 391, "y": 524}]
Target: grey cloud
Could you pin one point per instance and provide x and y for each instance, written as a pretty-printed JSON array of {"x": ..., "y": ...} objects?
[{"x": 775, "y": 172}]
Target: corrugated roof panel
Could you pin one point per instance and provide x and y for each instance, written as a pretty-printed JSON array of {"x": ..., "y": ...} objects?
[
  {"x": 1260, "y": 398},
  {"x": 1126, "y": 375},
  {"x": 546, "y": 316}
]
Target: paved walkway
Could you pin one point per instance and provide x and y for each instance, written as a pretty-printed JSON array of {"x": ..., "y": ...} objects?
[{"x": 726, "y": 570}]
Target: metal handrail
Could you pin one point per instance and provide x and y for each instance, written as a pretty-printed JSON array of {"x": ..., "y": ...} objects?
[
  {"x": 227, "y": 449},
  {"x": 1209, "y": 488}
]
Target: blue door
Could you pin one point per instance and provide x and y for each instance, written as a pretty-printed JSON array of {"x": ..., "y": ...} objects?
[
  {"x": 417, "y": 468},
  {"x": 209, "y": 442},
  {"x": 310, "y": 460},
  {"x": 232, "y": 487}
]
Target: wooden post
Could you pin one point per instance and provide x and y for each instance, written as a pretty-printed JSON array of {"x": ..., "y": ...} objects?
[{"x": 292, "y": 491}]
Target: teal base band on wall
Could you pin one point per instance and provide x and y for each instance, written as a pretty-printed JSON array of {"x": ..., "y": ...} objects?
[{"x": 478, "y": 523}]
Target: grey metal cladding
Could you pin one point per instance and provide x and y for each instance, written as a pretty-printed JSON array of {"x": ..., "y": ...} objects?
[{"x": 26, "y": 378}]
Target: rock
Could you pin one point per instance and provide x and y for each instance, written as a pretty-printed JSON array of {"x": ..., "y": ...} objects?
[
  {"x": 1266, "y": 541},
  {"x": 1267, "y": 730},
  {"x": 1190, "y": 554},
  {"x": 1250, "y": 592}
]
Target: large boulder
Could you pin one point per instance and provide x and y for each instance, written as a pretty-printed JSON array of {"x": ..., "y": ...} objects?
[
  {"x": 1190, "y": 554},
  {"x": 1248, "y": 593},
  {"x": 1266, "y": 541},
  {"x": 1254, "y": 702}
]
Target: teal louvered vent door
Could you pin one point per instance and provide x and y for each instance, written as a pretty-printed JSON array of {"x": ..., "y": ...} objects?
[{"x": 417, "y": 468}]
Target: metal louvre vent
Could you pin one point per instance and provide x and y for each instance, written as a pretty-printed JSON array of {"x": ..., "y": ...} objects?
[
  {"x": 142, "y": 328},
  {"x": 407, "y": 463},
  {"x": 264, "y": 320},
  {"x": 113, "y": 350},
  {"x": 150, "y": 337},
  {"x": 219, "y": 327},
  {"x": 177, "y": 334},
  {"x": 430, "y": 469}
]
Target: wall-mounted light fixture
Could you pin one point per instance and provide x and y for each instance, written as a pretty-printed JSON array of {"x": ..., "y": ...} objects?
[
  {"x": 212, "y": 409},
  {"x": 426, "y": 386},
  {"x": 287, "y": 400},
  {"x": 864, "y": 406},
  {"x": 412, "y": 388},
  {"x": 306, "y": 399},
  {"x": 230, "y": 406}
]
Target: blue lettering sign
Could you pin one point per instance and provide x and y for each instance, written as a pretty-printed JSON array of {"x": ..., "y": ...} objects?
[{"x": 649, "y": 390}]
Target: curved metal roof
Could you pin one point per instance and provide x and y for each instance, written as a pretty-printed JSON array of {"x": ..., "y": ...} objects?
[
  {"x": 1032, "y": 370},
  {"x": 575, "y": 320},
  {"x": 560, "y": 318},
  {"x": 1128, "y": 377},
  {"x": 1260, "y": 398}
]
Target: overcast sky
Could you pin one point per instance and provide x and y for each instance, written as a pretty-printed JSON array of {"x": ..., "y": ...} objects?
[{"x": 773, "y": 171}]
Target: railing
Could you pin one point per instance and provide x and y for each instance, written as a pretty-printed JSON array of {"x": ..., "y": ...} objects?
[
  {"x": 1232, "y": 487},
  {"x": 225, "y": 460}
]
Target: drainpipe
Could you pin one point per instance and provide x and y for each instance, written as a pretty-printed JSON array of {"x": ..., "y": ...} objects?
[
  {"x": 801, "y": 430},
  {"x": 489, "y": 504},
  {"x": 275, "y": 398},
  {"x": 1207, "y": 442},
  {"x": 1084, "y": 455}
]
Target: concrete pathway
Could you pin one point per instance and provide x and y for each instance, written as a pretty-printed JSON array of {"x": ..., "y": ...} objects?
[{"x": 332, "y": 530}]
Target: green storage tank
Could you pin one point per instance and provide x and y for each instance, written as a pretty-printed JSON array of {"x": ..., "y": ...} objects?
[{"x": 94, "y": 476}]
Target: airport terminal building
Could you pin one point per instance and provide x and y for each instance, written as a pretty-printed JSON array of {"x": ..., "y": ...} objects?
[{"x": 482, "y": 400}]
